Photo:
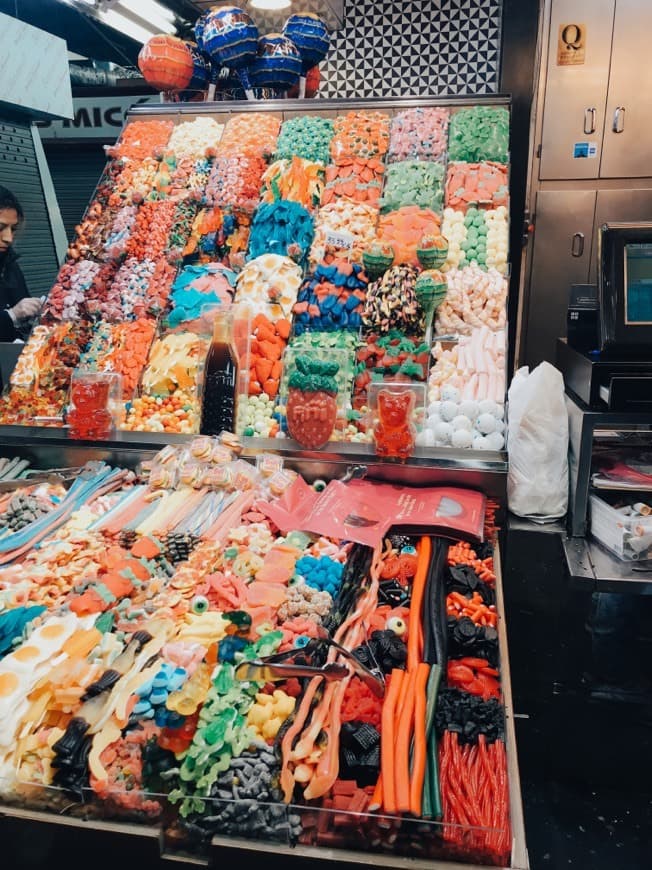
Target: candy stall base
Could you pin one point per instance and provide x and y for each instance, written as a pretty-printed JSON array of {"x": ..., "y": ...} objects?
[{"x": 195, "y": 649}]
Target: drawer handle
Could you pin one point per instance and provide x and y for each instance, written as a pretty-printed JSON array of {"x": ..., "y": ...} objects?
[
  {"x": 619, "y": 120},
  {"x": 577, "y": 245},
  {"x": 589, "y": 120}
]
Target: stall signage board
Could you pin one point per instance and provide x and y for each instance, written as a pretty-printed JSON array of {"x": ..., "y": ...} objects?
[
  {"x": 571, "y": 44},
  {"x": 99, "y": 118}
]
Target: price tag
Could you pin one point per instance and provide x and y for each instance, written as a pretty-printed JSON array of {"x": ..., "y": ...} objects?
[{"x": 341, "y": 240}]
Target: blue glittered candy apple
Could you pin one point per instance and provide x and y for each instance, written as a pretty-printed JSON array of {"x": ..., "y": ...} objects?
[
  {"x": 310, "y": 35},
  {"x": 277, "y": 65},
  {"x": 230, "y": 37},
  {"x": 201, "y": 73}
]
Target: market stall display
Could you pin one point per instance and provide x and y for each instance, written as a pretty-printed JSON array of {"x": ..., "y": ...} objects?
[
  {"x": 194, "y": 645},
  {"x": 328, "y": 222}
]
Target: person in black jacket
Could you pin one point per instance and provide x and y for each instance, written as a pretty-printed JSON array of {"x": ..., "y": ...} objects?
[{"x": 17, "y": 307}]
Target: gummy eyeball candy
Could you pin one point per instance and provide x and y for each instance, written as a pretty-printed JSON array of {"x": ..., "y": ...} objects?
[
  {"x": 462, "y": 438},
  {"x": 443, "y": 433},
  {"x": 448, "y": 410},
  {"x": 426, "y": 438},
  {"x": 485, "y": 423},
  {"x": 469, "y": 408},
  {"x": 480, "y": 443},
  {"x": 461, "y": 422},
  {"x": 397, "y": 625},
  {"x": 495, "y": 441},
  {"x": 488, "y": 406},
  {"x": 450, "y": 394},
  {"x": 434, "y": 408},
  {"x": 500, "y": 425}
]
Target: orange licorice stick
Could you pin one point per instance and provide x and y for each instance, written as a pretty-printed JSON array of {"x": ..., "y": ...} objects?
[
  {"x": 416, "y": 601},
  {"x": 397, "y": 678},
  {"x": 403, "y": 724},
  {"x": 420, "y": 753}
]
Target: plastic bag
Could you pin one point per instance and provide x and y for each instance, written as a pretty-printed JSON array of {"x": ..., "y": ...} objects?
[{"x": 537, "y": 485}]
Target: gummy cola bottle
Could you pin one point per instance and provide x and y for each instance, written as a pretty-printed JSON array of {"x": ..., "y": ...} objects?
[{"x": 220, "y": 382}]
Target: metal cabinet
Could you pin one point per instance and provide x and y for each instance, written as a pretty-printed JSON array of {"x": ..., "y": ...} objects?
[
  {"x": 626, "y": 149},
  {"x": 596, "y": 116},
  {"x": 562, "y": 255},
  {"x": 574, "y": 108}
]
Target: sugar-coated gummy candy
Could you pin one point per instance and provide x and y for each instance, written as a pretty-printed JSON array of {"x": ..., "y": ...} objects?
[
  {"x": 461, "y": 438},
  {"x": 413, "y": 182},
  {"x": 307, "y": 136},
  {"x": 419, "y": 134},
  {"x": 479, "y": 133},
  {"x": 448, "y": 410}
]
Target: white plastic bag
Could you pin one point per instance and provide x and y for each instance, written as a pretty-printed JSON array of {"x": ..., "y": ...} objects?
[{"x": 537, "y": 484}]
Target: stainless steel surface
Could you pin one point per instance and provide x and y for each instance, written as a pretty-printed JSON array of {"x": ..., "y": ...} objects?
[
  {"x": 313, "y": 106},
  {"x": 556, "y": 264},
  {"x": 590, "y": 120},
  {"x": 570, "y": 89},
  {"x": 477, "y": 469},
  {"x": 268, "y": 20},
  {"x": 591, "y": 565},
  {"x": 618, "y": 124},
  {"x": 626, "y": 151},
  {"x": 611, "y": 206},
  {"x": 583, "y": 423},
  {"x": 577, "y": 245}
]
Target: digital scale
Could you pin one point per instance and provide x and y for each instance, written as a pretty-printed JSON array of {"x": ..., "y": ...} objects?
[{"x": 606, "y": 359}]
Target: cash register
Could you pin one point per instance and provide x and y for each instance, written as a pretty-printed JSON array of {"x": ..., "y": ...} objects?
[{"x": 606, "y": 358}]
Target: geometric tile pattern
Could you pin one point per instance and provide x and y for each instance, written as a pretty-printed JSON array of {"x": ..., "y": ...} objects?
[{"x": 436, "y": 48}]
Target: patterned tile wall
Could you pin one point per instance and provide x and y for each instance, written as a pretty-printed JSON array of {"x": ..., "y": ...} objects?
[{"x": 437, "y": 48}]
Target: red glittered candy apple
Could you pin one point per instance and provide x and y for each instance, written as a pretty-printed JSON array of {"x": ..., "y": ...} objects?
[
  {"x": 313, "y": 80},
  {"x": 312, "y": 402}
]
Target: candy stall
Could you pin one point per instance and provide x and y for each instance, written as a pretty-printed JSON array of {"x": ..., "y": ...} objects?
[{"x": 253, "y": 479}]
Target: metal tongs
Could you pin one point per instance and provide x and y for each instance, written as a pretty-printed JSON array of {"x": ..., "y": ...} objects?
[{"x": 280, "y": 666}]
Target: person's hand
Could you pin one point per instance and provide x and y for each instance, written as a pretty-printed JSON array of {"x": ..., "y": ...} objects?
[{"x": 26, "y": 308}]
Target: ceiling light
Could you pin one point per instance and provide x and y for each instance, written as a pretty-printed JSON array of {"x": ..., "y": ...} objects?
[
  {"x": 149, "y": 10},
  {"x": 141, "y": 33},
  {"x": 270, "y": 4}
]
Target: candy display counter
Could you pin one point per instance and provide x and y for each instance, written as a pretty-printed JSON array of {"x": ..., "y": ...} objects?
[
  {"x": 372, "y": 234},
  {"x": 119, "y": 723},
  {"x": 289, "y": 639}
]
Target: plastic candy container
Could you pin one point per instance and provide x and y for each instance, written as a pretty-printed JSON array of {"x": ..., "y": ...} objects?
[
  {"x": 93, "y": 398},
  {"x": 356, "y": 178},
  {"x": 479, "y": 236},
  {"x": 332, "y": 297},
  {"x": 250, "y": 135},
  {"x": 312, "y": 404},
  {"x": 194, "y": 290},
  {"x": 477, "y": 184},
  {"x": 195, "y": 139},
  {"x": 343, "y": 228},
  {"x": 403, "y": 230},
  {"x": 219, "y": 234},
  {"x": 149, "y": 237},
  {"x": 474, "y": 365},
  {"x": 419, "y": 134},
  {"x": 141, "y": 139},
  {"x": 474, "y": 298},
  {"x": 281, "y": 227},
  {"x": 479, "y": 133},
  {"x": 66, "y": 298},
  {"x": 360, "y": 134},
  {"x": 307, "y": 136},
  {"x": 392, "y": 303},
  {"x": 296, "y": 179},
  {"x": 235, "y": 182},
  {"x": 413, "y": 182},
  {"x": 394, "y": 433},
  {"x": 269, "y": 285},
  {"x": 389, "y": 357}
]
